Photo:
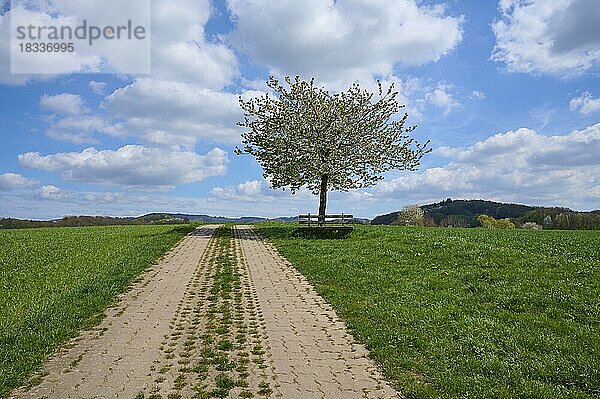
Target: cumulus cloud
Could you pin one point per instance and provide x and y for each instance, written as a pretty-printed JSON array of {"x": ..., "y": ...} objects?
[
  {"x": 182, "y": 101},
  {"x": 131, "y": 166},
  {"x": 349, "y": 38},
  {"x": 64, "y": 104},
  {"x": 442, "y": 98},
  {"x": 103, "y": 56},
  {"x": 6, "y": 77},
  {"x": 71, "y": 119},
  {"x": 180, "y": 50},
  {"x": 15, "y": 181},
  {"x": 80, "y": 129},
  {"x": 557, "y": 37},
  {"x": 585, "y": 104},
  {"x": 520, "y": 165},
  {"x": 176, "y": 112}
]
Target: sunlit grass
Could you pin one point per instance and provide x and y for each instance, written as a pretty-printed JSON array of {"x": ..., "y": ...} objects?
[
  {"x": 465, "y": 313},
  {"x": 54, "y": 281}
]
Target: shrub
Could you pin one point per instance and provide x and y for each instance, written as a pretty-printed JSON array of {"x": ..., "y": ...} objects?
[
  {"x": 490, "y": 222},
  {"x": 410, "y": 215}
]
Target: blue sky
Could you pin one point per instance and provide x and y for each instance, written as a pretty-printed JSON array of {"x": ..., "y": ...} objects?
[{"x": 508, "y": 93}]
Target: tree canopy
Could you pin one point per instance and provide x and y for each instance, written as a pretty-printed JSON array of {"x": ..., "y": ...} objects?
[{"x": 305, "y": 136}]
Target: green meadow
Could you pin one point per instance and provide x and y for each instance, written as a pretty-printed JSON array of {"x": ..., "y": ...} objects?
[
  {"x": 465, "y": 313},
  {"x": 55, "y": 281}
]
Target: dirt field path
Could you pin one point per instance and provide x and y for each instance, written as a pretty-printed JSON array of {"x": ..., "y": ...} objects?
[{"x": 222, "y": 315}]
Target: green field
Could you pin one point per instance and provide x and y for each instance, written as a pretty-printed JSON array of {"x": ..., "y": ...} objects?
[
  {"x": 465, "y": 313},
  {"x": 54, "y": 281}
]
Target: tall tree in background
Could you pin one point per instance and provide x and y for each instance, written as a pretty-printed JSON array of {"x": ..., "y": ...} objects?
[{"x": 305, "y": 136}]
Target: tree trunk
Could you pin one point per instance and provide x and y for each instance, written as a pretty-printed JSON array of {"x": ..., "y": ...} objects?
[{"x": 323, "y": 198}]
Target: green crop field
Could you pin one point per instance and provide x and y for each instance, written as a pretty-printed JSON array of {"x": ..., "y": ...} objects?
[
  {"x": 465, "y": 313},
  {"x": 55, "y": 281}
]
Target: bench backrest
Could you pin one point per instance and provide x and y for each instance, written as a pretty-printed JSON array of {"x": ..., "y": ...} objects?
[{"x": 329, "y": 219}]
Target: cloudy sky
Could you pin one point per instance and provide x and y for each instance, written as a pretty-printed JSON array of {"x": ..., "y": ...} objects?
[{"x": 508, "y": 93}]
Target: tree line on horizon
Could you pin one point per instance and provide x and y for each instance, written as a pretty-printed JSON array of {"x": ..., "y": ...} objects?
[
  {"x": 489, "y": 214},
  {"x": 84, "y": 221}
]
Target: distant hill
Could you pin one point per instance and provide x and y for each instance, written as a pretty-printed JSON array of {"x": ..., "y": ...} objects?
[
  {"x": 463, "y": 213},
  {"x": 75, "y": 221},
  {"x": 223, "y": 219},
  {"x": 150, "y": 218}
]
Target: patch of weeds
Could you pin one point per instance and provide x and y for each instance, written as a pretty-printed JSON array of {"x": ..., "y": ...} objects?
[
  {"x": 225, "y": 345},
  {"x": 180, "y": 382},
  {"x": 264, "y": 389},
  {"x": 200, "y": 368},
  {"x": 223, "y": 385},
  {"x": 222, "y": 363},
  {"x": 164, "y": 369},
  {"x": 222, "y": 330},
  {"x": 36, "y": 380},
  {"x": 257, "y": 350},
  {"x": 241, "y": 382}
]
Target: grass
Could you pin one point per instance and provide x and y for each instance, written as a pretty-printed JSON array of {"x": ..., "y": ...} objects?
[
  {"x": 55, "y": 281},
  {"x": 465, "y": 313}
]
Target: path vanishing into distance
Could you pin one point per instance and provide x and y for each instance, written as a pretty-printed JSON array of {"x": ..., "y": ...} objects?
[{"x": 221, "y": 315}]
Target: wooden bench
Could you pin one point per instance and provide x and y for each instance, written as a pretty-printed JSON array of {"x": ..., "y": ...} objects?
[
  {"x": 311, "y": 219},
  {"x": 330, "y": 225}
]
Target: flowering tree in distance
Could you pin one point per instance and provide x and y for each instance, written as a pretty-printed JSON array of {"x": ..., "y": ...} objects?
[{"x": 305, "y": 136}]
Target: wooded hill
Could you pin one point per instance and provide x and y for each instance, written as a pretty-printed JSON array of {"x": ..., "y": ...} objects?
[{"x": 463, "y": 213}]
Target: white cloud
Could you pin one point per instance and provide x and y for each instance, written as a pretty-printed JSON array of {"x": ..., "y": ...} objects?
[
  {"x": 80, "y": 129},
  {"x": 71, "y": 119},
  {"x": 97, "y": 87},
  {"x": 53, "y": 193},
  {"x": 477, "y": 95},
  {"x": 131, "y": 166},
  {"x": 204, "y": 64},
  {"x": 176, "y": 112},
  {"x": 64, "y": 104},
  {"x": 342, "y": 39},
  {"x": 15, "y": 181},
  {"x": 520, "y": 165},
  {"x": 103, "y": 56},
  {"x": 257, "y": 190},
  {"x": 179, "y": 48},
  {"x": 5, "y": 75},
  {"x": 441, "y": 97},
  {"x": 585, "y": 104},
  {"x": 538, "y": 36}
]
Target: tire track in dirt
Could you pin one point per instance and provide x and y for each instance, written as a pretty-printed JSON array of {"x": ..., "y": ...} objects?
[{"x": 312, "y": 351}]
